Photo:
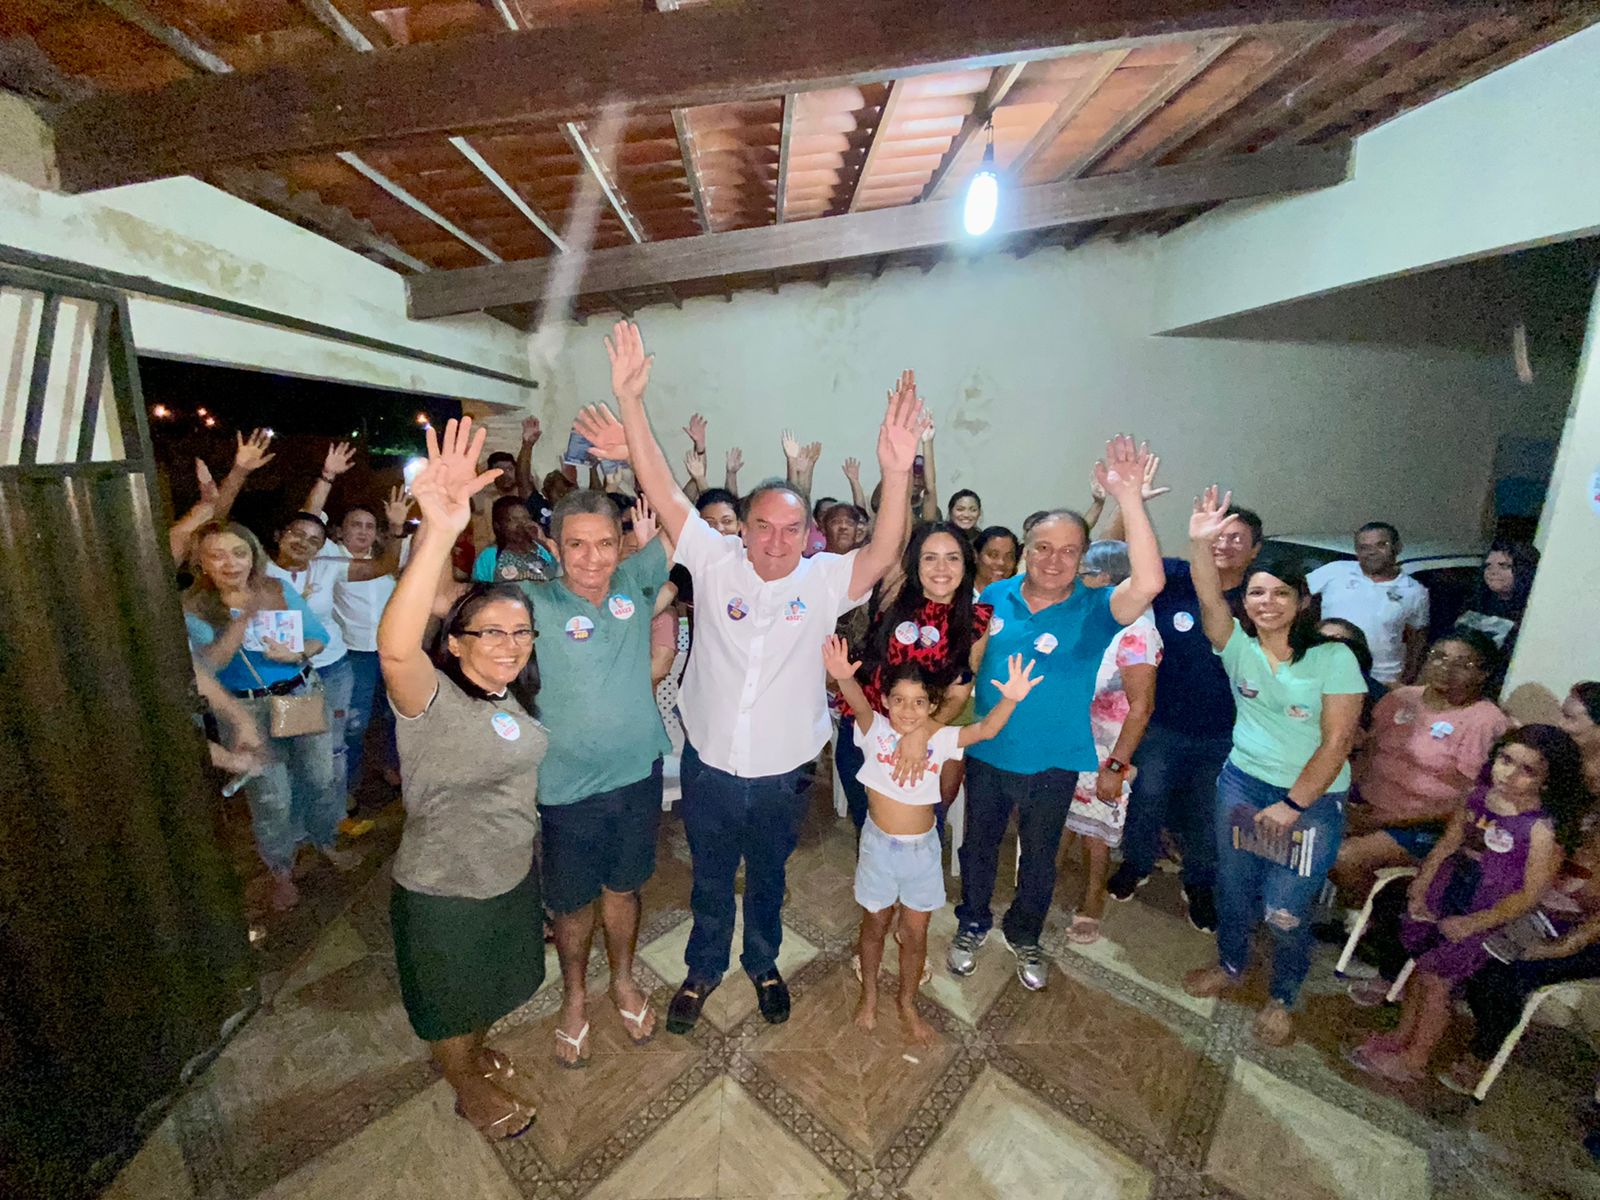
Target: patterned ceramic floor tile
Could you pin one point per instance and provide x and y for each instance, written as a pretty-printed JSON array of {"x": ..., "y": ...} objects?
[
  {"x": 1002, "y": 1142},
  {"x": 1317, "y": 1151},
  {"x": 1153, "y": 950},
  {"x": 420, "y": 1151},
  {"x": 735, "y": 999},
  {"x": 157, "y": 1172}
]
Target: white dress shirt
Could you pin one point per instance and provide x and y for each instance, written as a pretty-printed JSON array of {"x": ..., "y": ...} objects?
[
  {"x": 316, "y": 585},
  {"x": 754, "y": 697},
  {"x": 357, "y": 606},
  {"x": 1383, "y": 611}
]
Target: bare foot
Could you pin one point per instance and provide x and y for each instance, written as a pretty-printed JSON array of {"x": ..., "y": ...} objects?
[
  {"x": 918, "y": 1031},
  {"x": 867, "y": 1013}
]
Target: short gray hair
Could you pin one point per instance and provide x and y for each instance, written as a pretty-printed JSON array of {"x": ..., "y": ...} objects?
[
  {"x": 584, "y": 502},
  {"x": 1107, "y": 558},
  {"x": 1057, "y": 514}
]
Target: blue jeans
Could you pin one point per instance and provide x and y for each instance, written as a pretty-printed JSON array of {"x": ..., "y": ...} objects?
[
  {"x": 368, "y": 705},
  {"x": 728, "y": 818},
  {"x": 338, "y": 682},
  {"x": 1251, "y": 890},
  {"x": 296, "y": 798},
  {"x": 1041, "y": 801},
  {"x": 1175, "y": 788}
]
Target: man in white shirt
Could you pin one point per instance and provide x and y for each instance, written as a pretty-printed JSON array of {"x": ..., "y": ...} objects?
[
  {"x": 754, "y": 697},
  {"x": 1386, "y": 604}
]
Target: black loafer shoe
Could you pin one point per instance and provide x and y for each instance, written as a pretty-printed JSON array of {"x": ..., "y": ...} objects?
[
  {"x": 683, "y": 1014},
  {"x": 772, "y": 993}
]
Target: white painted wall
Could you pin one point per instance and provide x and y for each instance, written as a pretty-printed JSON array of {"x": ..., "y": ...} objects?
[
  {"x": 184, "y": 232},
  {"x": 1030, "y": 365},
  {"x": 1512, "y": 160}
]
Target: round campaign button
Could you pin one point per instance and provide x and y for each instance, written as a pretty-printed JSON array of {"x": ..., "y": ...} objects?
[
  {"x": 1497, "y": 839},
  {"x": 579, "y": 628},
  {"x": 1045, "y": 643},
  {"x": 1441, "y": 730},
  {"x": 621, "y": 606},
  {"x": 906, "y": 633},
  {"x": 738, "y": 610},
  {"x": 506, "y": 726},
  {"x": 1298, "y": 712},
  {"x": 928, "y": 635},
  {"x": 995, "y": 625},
  {"x": 1182, "y": 621}
]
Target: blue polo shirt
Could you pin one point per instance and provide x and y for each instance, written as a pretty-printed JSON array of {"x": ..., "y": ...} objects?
[
  {"x": 1193, "y": 695},
  {"x": 1050, "y": 729}
]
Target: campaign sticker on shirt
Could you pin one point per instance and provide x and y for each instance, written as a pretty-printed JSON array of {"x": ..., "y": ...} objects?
[
  {"x": 509, "y": 571},
  {"x": 1045, "y": 643},
  {"x": 738, "y": 610},
  {"x": 1441, "y": 729},
  {"x": 1182, "y": 621},
  {"x": 1404, "y": 716},
  {"x": 579, "y": 628},
  {"x": 1298, "y": 712},
  {"x": 795, "y": 611},
  {"x": 928, "y": 635},
  {"x": 995, "y": 625},
  {"x": 1247, "y": 689},
  {"x": 1394, "y": 595},
  {"x": 506, "y": 726},
  {"x": 621, "y": 606},
  {"x": 906, "y": 633},
  {"x": 1498, "y": 840}
]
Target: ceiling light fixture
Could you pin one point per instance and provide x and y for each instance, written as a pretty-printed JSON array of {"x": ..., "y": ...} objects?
[{"x": 983, "y": 193}]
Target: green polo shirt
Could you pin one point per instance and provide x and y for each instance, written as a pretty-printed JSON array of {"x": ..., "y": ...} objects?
[{"x": 594, "y": 675}]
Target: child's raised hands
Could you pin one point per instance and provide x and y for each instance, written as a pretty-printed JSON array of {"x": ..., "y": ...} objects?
[
  {"x": 836, "y": 658},
  {"x": 1019, "y": 682}
]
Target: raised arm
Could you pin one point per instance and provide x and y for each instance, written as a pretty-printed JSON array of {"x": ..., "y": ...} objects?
[
  {"x": 182, "y": 531},
  {"x": 730, "y": 476},
  {"x": 930, "y": 485},
  {"x": 630, "y": 374},
  {"x": 1116, "y": 529},
  {"x": 250, "y": 454},
  {"x": 1014, "y": 689},
  {"x": 836, "y": 659},
  {"x": 1208, "y": 522},
  {"x": 443, "y": 491},
  {"x": 335, "y": 463},
  {"x": 1121, "y": 475},
  {"x": 694, "y": 463},
  {"x": 903, "y": 424},
  {"x": 531, "y": 432},
  {"x": 852, "y": 472}
]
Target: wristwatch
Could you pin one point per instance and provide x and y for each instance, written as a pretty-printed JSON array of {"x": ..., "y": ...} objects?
[{"x": 1115, "y": 765}]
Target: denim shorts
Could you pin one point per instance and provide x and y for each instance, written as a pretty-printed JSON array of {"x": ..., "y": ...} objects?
[
  {"x": 908, "y": 869},
  {"x": 1416, "y": 840}
]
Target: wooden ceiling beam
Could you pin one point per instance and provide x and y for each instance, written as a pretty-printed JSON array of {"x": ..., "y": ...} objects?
[
  {"x": 351, "y": 23},
  {"x": 706, "y": 54},
  {"x": 891, "y": 101},
  {"x": 271, "y": 192},
  {"x": 887, "y": 231},
  {"x": 780, "y": 194},
  {"x": 191, "y": 49},
  {"x": 691, "y": 168},
  {"x": 1071, "y": 105},
  {"x": 590, "y": 157},
  {"x": 1001, "y": 81}
]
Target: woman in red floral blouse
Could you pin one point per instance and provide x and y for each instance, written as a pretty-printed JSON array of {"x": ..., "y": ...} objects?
[{"x": 926, "y": 615}]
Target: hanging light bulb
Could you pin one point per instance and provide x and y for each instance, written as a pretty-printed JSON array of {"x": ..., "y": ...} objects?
[{"x": 983, "y": 193}]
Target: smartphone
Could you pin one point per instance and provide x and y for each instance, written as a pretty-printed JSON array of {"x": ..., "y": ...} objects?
[{"x": 577, "y": 454}]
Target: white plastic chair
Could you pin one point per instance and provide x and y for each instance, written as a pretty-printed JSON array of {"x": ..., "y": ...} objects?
[
  {"x": 1384, "y": 877},
  {"x": 1575, "y": 989},
  {"x": 841, "y": 803},
  {"x": 956, "y": 819}
]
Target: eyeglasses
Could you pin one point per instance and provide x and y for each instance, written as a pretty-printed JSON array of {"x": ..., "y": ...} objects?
[
  {"x": 497, "y": 638},
  {"x": 1451, "y": 662}
]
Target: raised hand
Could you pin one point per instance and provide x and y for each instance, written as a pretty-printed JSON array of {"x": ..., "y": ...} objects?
[
  {"x": 696, "y": 429},
  {"x": 927, "y": 434},
  {"x": 694, "y": 461},
  {"x": 1122, "y": 471},
  {"x": 904, "y": 424},
  {"x": 1096, "y": 492},
  {"x": 1019, "y": 681},
  {"x": 445, "y": 487},
  {"x": 852, "y": 470},
  {"x": 599, "y": 425},
  {"x": 397, "y": 507},
  {"x": 532, "y": 430},
  {"x": 341, "y": 456},
  {"x": 252, "y": 455},
  {"x": 644, "y": 523},
  {"x": 1210, "y": 518},
  {"x": 809, "y": 453},
  {"x": 735, "y": 458},
  {"x": 836, "y": 658},
  {"x": 791, "y": 447},
  {"x": 630, "y": 365},
  {"x": 1150, "y": 491},
  {"x": 208, "y": 485}
]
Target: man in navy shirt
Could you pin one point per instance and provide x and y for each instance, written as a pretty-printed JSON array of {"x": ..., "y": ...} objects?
[
  {"x": 1190, "y": 733},
  {"x": 1033, "y": 764}
]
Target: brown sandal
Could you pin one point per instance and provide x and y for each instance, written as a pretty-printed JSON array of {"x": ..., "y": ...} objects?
[
  {"x": 493, "y": 1130},
  {"x": 501, "y": 1069}
]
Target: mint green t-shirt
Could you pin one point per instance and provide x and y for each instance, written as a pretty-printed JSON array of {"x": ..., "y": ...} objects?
[
  {"x": 1278, "y": 722},
  {"x": 595, "y": 695}
]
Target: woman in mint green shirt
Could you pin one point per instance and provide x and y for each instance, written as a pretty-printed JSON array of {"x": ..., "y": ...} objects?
[{"x": 1280, "y": 796}]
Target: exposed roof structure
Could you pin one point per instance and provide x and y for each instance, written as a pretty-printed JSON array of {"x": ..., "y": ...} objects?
[{"x": 442, "y": 135}]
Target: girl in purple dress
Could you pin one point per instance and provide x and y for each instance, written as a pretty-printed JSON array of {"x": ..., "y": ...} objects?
[{"x": 1497, "y": 858}]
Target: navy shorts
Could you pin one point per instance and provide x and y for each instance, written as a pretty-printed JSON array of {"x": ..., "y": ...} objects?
[
  {"x": 607, "y": 840},
  {"x": 1416, "y": 840}
]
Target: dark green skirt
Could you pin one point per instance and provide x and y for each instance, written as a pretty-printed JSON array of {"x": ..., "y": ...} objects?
[{"x": 466, "y": 963}]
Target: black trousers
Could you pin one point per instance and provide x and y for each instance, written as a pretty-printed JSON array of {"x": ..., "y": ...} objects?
[{"x": 1497, "y": 993}]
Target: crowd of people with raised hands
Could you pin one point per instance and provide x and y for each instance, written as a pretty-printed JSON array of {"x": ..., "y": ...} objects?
[{"x": 1273, "y": 730}]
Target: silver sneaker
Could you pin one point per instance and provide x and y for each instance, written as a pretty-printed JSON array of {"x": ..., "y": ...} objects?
[
  {"x": 1032, "y": 969},
  {"x": 962, "y": 957}
]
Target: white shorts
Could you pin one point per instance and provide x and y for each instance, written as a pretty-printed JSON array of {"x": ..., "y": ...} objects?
[{"x": 897, "y": 868}]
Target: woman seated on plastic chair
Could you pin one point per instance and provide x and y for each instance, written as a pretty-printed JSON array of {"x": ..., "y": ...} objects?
[
  {"x": 1427, "y": 747},
  {"x": 1496, "y": 861}
]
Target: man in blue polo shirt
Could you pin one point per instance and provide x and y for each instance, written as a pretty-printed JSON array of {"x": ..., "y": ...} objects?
[
  {"x": 1189, "y": 735},
  {"x": 1033, "y": 764}
]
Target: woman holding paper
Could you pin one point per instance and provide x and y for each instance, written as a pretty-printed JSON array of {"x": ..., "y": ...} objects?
[
  {"x": 260, "y": 637},
  {"x": 1280, "y": 796}
]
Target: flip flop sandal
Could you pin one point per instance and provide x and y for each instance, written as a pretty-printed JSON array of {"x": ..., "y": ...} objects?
[
  {"x": 501, "y": 1068},
  {"x": 493, "y": 1130},
  {"x": 634, "y": 1023},
  {"x": 1085, "y": 931},
  {"x": 577, "y": 1044}
]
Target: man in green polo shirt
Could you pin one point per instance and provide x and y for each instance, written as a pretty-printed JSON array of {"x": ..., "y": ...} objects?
[{"x": 600, "y": 783}]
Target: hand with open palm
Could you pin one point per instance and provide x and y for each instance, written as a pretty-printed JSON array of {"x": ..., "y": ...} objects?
[
  {"x": 904, "y": 424},
  {"x": 445, "y": 487},
  {"x": 630, "y": 365},
  {"x": 1210, "y": 518}
]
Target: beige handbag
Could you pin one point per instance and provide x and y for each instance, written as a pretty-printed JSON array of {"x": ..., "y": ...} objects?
[{"x": 298, "y": 714}]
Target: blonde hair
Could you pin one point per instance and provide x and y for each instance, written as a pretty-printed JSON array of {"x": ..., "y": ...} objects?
[{"x": 202, "y": 598}]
